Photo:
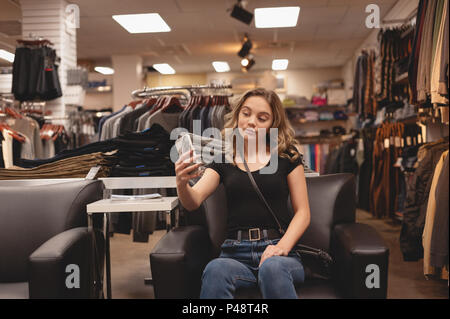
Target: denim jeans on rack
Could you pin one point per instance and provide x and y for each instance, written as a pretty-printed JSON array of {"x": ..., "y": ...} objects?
[{"x": 238, "y": 267}]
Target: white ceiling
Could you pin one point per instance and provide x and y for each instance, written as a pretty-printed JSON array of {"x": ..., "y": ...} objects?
[{"x": 327, "y": 34}]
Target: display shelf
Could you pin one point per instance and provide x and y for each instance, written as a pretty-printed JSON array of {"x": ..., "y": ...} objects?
[
  {"x": 316, "y": 108},
  {"x": 319, "y": 139},
  {"x": 295, "y": 123}
]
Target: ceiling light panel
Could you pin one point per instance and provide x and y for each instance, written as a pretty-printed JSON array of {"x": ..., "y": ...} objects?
[
  {"x": 280, "y": 64},
  {"x": 164, "y": 68},
  {"x": 220, "y": 66},
  {"x": 104, "y": 70},
  {"x": 142, "y": 23},
  {"x": 5, "y": 55},
  {"x": 280, "y": 17}
]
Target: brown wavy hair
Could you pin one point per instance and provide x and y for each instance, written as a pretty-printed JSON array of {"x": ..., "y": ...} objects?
[{"x": 288, "y": 146}]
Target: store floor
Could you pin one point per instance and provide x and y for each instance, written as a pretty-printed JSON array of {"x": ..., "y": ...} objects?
[{"x": 130, "y": 265}]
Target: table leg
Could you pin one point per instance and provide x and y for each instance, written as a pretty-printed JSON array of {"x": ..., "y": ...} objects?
[
  {"x": 177, "y": 217},
  {"x": 94, "y": 255},
  {"x": 168, "y": 220},
  {"x": 108, "y": 258}
]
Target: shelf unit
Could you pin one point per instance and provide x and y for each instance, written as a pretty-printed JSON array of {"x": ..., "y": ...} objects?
[
  {"x": 334, "y": 139},
  {"x": 335, "y": 122},
  {"x": 323, "y": 108},
  {"x": 316, "y": 126}
]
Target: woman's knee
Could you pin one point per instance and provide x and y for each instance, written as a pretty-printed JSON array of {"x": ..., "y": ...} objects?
[
  {"x": 276, "y": 268},
  {"x": 215, "y": 269},
  {"x": 271, "y": 268}
]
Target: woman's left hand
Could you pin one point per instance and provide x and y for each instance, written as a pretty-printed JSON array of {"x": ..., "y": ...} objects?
[{"x": 270, "y": 251}]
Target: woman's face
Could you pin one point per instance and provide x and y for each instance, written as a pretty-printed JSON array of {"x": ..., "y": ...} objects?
[{"x": 255, "y": 114}]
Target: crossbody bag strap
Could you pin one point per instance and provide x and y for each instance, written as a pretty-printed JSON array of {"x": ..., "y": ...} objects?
[
  {"x": 312, "y": 250},
  {"x": 261, "y": 196}
]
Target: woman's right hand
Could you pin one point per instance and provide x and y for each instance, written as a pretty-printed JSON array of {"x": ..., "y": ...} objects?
[{"x": 184, "y": 169}]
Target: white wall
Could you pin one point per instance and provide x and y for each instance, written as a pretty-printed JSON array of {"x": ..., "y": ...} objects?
[
  {"x": 298, "y": 82},
  {"x": 99, "y": 100},
  {"x": 127, "y": 77}
]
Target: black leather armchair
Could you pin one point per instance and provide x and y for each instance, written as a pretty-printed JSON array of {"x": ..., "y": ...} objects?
[
  {"x": 177, "y": 261},
  {"x": 43, "y": 230}
]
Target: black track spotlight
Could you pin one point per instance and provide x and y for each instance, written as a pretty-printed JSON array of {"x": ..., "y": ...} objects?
[
  {"x": 241, "y": 14},
  {"x": 246, "y": 47},
  {"x": 247, "y": 63}
]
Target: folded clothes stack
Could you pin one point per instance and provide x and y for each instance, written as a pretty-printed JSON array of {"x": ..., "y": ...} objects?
[
  {"x": 326, "y": 116},
  {"x": 102, "y": 147},
  {"x": 144, "y": 154},
  {"x": 71, "y": 167},
  {"x": 340, "y": 115},
  {"x": 311, "y": 116}
]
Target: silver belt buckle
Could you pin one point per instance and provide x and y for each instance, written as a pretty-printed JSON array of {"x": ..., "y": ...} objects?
[{"x": 250, "y": 232}]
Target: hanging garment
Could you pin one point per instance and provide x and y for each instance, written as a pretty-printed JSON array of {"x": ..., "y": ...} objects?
[
  {"x": 417, "y": 200},
  {"x": 104, "y": 119},
  {"x": 365, "y": 170},
  {"x": 370, "y": 103},
  {"x": 438, "y": 57},
  {"x": 30, "y": 128},
  {"x": 424, "y": 66},
  {"x": 35, "y": 74},
  {"x": 414, "y": 58},
  {"x": 444, "y": 67},
  {"x": 107, "y": 126},
  {"x": 129, "y": 121},
  {"x": 439, "y": 235},
  {"x": 7, "y": 149},
  {"x": 429, "y": 218},
  {"x": 385, "y": 177}
]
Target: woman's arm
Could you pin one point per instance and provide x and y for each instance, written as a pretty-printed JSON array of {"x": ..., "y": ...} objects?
[
  {"x": 192, "y": 197},
  {"x": 301, "y": 219}
]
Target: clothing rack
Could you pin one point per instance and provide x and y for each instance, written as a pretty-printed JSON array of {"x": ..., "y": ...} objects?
[
  {"x": 59, "y": 118},
  {"x": 4, "y": 100},
  {"x": 186, "y": 90},
  {"x": 34, "y": 40},
  {"x": 409, "y": 19},
  {"x": 33, "y": 106}
]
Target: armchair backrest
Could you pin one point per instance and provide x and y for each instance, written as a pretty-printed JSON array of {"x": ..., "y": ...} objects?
[
  {"x": 332, "y": 200},
  {"x": 30, "y": 215}
]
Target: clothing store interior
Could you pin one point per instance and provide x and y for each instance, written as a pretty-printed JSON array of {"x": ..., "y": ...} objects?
[{"x": 90, "y": 92}]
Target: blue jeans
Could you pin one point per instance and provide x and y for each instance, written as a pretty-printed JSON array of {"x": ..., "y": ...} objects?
[{"x": 238, "y": 267}]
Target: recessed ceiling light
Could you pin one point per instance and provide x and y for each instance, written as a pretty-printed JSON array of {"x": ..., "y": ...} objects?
[
  {"x": 142, "y": 23},
  {"x": 280, "y": 64},
  {"x": 164, "y": 68},
  {"x": 5, "y": 55},
  {"x": 221, "y": 66},
  {"x": 280, "y": 17},
  {"x": 104, "y": 70}
]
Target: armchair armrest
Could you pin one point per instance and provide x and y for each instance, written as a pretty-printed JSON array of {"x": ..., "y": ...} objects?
[
  {"x": 177, "y": 262},
  {"x": 362, "y": 258},
  {"x": 62, "y": 267}
]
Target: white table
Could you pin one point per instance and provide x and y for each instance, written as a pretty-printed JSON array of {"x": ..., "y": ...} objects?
[{"x": 107, "y": 206}]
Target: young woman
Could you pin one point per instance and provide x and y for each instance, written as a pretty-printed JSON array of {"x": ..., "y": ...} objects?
[{"x": 254, "y": 253}]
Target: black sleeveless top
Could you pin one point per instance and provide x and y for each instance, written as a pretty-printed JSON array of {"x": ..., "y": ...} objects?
[{"x": 245, "y": 208}]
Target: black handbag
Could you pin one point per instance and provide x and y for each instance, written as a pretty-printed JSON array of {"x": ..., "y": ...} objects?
[{"x": 317, "y": 263}]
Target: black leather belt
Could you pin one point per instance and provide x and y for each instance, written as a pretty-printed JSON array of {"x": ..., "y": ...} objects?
[{"x": 254, "y": 234}]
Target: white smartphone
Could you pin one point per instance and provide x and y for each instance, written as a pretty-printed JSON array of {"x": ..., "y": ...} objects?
[{"x": 184, "y": 144}]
